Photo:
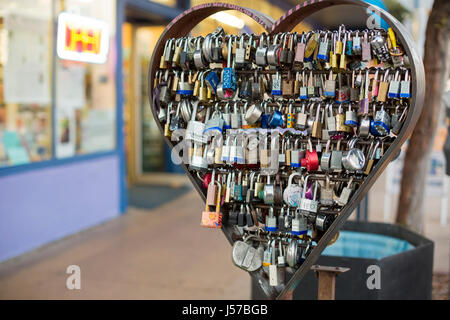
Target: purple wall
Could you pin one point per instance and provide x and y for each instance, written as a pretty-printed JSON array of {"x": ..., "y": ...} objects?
[{"x": 44, "y": 205}]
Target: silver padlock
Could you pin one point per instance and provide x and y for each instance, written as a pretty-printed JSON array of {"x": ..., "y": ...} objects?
[
  {"x": 261, "y": 52},
  {"x": 309, "y": 205},
  {"x": 245, "y": 256},
  {"x": 346, "y": 193},
  {"x": 195, "y": 129},
  {"x": 353, "y": 159},
  {"x": 236, "y": 118}
]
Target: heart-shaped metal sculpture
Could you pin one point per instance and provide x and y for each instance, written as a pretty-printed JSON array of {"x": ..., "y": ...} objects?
[{"x": 182, "y": 25}]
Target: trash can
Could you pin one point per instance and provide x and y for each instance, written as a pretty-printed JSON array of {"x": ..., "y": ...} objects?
[{"x": 404, "y": 258}]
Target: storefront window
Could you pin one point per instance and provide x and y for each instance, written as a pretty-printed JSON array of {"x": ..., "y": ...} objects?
[
  {"x": 25, "y": 81},
  {"x": 85, "y": 89}
]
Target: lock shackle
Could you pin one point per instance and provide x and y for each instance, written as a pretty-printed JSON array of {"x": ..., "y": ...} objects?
[
  {"x": 352, "y": 143},
  {"x": 318, "y": 112},
  {"x": 291, "y": 177},
  {"x": 327, "y": 147},
  {"x": 230, "y": 45},
  {"x": 310, "y": 146},
  {"x": 194, "y": 110}
]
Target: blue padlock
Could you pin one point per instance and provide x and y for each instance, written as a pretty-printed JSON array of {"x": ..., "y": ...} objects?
[
  {"x": 380, "y": 125},
  {"x": 229, "y": 74},
  {"x": 276, "y": 119},
  {"x": 212, "y": 81}
]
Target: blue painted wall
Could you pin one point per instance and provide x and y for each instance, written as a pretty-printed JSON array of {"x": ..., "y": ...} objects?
[{"x": 40, "y": 206}]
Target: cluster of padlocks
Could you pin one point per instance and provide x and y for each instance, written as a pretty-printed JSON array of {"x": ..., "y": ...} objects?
[{"x": 281, "y": 130}]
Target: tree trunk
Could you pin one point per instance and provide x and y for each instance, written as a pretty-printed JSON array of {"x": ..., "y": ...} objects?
[{"x": 410, "y": 210}]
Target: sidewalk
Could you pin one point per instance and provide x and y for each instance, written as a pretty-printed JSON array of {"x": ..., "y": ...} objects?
[{"x": 145, "y": 254}]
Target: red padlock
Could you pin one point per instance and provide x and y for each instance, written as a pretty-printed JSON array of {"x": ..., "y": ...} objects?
[{"x": 311, "y": 159}]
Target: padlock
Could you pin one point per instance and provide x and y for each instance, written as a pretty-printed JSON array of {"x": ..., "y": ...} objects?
[
  {"x": 254, "y": 113},
  {"x": 249, "y": 217},
  {"x": 226, "y": 150},
  {"x": 309, "y": 205},
  {"x": 323, "y": 48},
  {"x": 236, "y": 118},
  {"x": 245, "y": 89},
  {"x": 212, "y": 219},
  {"x": 276, "y": 119},
  {"x": 281, "y": 221},
  {"x": 381, "y": 123},
  {"x": 271, "y": 221},
  {"x": 405, "y": 85},
  {"x": 276, "y": 85},
  {"x": 215, "y": 124},
  {"x": 268, "y": 192},
  {"x": 398, "y": 126},
  {"x": 240, "y": 52},
  {"x": 252, "y": 149},
  {"x": 366, "y": 52},
  {"x": 326, "y": 157},
  {"x": 274, "y": 272},
  {"x": 323, "y": 221},
  {"x": 292, "y": 254},
  {"x": 229, "y": 74},
  {"x": 340, "y": 122},
  {"x": 331, "y": 120},
  {"x": 237, "y": 193},
  {"x": 226, "y": 117},
  {"x": 394, "y": 87},
  {"x": 273, "y": 52},
  {"x": 300, "y": 50},
  {"x": 287, "y": 86},
  {"x": 301, "y": 118},
  {"x": 353, "y": 159},
  {"x": 364, "y": 98},
  {"x": 379, "y": 48},
  {"x": 316, "y": 131},
  {"x": 303, "y": 93},
  {"x": 351, "y": 118},
  {"x": 311, "y": 160},
  {"x": 242, "y": 217},
  {"x": 295, "y": 155},
  {"x": 284, "y": 50},
  {"x": 261, "y": 52},
  {"x": 327, "y": 193},
  {"x": 199, "y": 60},
  {"x": 211, "y": 193},
  {"x": 291, "y": 52},
  {"x": 195, "y": 129},
  {"x": 383, "y": 88},
  {"x": 198, "y": 162},
  {"x": 177, "y": 52},
  {"x": 184, "y": 87},
  {"x": 311, "y": 46},
  {"x": 336, "y": 158},
  {"x": 364, "y": 126},
  {"x": 330, "y": 86},
  {"x": 345, "y": 193},
  {"x": 339, "y": 43},
  {"x": 282, "y": 154},
  {"x": 245, "y": 256},
  {"x": 371, "y": 157},
  {"x": 293, "y": 192},
  {"x": 290, "y": 116},
  {"x": 216, "y": 51},
  {"x": 343, "y": 60}
]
